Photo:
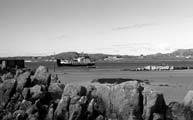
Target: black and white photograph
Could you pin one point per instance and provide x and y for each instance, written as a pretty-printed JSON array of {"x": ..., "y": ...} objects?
[{"x": 96, "y": 60}]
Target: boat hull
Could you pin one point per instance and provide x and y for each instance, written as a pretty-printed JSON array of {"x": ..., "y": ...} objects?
[{"x": 74, "y": 64}]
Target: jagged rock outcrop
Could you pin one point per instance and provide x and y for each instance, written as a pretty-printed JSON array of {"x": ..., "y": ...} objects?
[
  {"x": 36, "y": 92},
  {"x": 121, "y": 101},
  {"x": 34, "y": 95},
  {"x": 55, "y": 90},
  {"x": 7, "y": 89},
  {"x": 7, "y": 76},
  {"x": 23, "y": 80},
  {"x": 70, "y": 106},
  {"x": 61, "y": 111},
  {"x": 188, "y": 99},
  {"x": 154, "y": 105},
  {"x": 41, "y": 76},
  {"x": 184, "y": 110}
]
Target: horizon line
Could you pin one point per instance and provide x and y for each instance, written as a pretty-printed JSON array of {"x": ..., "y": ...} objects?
[{"x": 41, "y": 55}]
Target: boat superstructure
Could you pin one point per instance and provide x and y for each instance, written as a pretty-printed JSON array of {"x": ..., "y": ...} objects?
[{"x": 80, "y": 61}]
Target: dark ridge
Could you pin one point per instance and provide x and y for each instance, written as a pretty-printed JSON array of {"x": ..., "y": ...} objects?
[{"x": 117, "y": 80}]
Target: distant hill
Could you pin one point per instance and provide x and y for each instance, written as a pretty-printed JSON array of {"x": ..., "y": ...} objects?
[
  {"x": 177, "y": 53},
  {"x": 180, "y": 54},
  {"x": 95, "y": 56},
  {"x": 66, "y": 55},
  {"x": 71, "y": 55}
]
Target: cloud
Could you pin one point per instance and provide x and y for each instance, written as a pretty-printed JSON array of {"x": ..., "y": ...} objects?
[{"x": 135, "y": 26}]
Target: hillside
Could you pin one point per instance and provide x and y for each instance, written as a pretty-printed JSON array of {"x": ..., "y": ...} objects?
[
  {"x": 66, "y": 55},
  {"x": 183, "y": 52},
  {"x": 180, "y": 54},
  {"x": 70, "y": 55}
]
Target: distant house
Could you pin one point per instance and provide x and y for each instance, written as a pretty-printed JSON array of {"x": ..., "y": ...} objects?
[
  {"x": 159, "y": 67},
  {"x": 113, "y": 58}
]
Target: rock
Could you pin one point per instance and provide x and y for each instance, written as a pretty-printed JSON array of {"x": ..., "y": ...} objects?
[
  {"x": 184, "y": 110},
  {"x": 14, "y": 102},
  {"x": 98, "y": 107},
  {"x": 18, "y": 72},
  {"x": 180, "y": 111},
  {"x": 77, "y": 107},
  {"x": 39, "y": 92},
  {"x": 56, "y": 90},
  {"x": 36, "y": 92},
  {"x": 90, "y": 109},
  {"x": 50, "y": 115},
  {"x": 61, "y": 112},
  {"x": 23, "y": 99},
  {"x": 74, "y": 90},
  {"x": 54, "y": 78},
  {"x": 7, "y": 89},
  {"x": 7, "y": 76},
  {"x": 25, "y": 105},
  {"x": 127, "y": 99},
  {"x": 23, "y": 80},
  {"x": 188, "y": 99},
  {"x": 102, "y": 97},
  {"x": 26, "y": 93},
  {"x": 177, "y": 111},
  {"x": 75, "y": 112},
  {"x": 74, "y": 99},
  {"x": 120, "y": 100},
  {"x": 83, "y": 100},
  {"x": 1, "y": 80},
  {"x": 19, "y": 114},
  {"x": 32, "y": 117},
  {"x": 100, "y": 117},
  {"x": 41, "y": 76},
  {"x": 21, "y": 117},
  {"x": 158, "y": 116},
  {"x": 154, "y": 104},
  {"x": 42, "y": 109},
  {"x": 69, "y": 106},
  {"x": 33, "y": 109},
  {"x": 8, "y": 117}
]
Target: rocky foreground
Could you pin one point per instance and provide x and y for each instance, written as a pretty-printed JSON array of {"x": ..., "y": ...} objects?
[{"x": 37, "y": 95}]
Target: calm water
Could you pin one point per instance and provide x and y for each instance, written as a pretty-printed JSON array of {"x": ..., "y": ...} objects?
[{"x": 109, "y": 66}]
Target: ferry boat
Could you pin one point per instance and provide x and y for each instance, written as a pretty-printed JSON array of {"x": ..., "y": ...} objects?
[{"x": 80, "y": 61}]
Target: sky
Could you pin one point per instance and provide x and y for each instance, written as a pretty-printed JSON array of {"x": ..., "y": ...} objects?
[{"x": 126, "y": 27}]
